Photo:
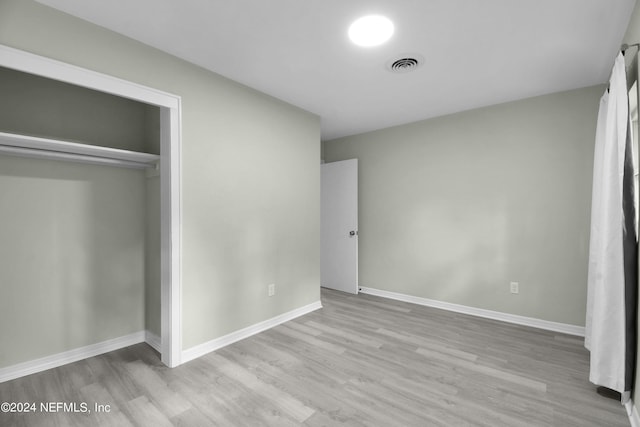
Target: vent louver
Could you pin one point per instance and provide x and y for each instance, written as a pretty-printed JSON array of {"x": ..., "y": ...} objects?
[{"x": 404, "y": 65}]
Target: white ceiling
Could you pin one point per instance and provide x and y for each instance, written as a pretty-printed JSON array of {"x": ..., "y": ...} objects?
[{"x": 476, "y": 53}]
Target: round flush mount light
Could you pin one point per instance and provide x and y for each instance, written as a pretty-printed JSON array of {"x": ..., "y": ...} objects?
[{"x": 371, "y": 30}]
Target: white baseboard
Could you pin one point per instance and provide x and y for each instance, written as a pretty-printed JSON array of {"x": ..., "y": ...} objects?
[
  {"x": 479, "y": 312},
  {"x": 55, "y": 360},
  {"x": 634, "y": 417},
  {"x": 38, "y": 365},
  {"x": 153, "y": 340},
  {"x": 202, "y": 349}
]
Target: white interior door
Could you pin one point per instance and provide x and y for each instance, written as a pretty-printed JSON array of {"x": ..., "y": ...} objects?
[{"x": 339, "y": 226}]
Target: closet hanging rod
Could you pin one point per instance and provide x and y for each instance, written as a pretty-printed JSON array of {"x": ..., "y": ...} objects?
[
  {"x": 30, "y": 146},
  {"x": 627, "y": 46},
  {"x": 78, "y": 158}
]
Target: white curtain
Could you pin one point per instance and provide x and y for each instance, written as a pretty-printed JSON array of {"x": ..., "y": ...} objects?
[{"x": 606, "y": 322}]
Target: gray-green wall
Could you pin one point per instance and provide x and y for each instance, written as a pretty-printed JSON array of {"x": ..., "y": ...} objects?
[
  {"x": 152, "y": 266},
  {"x": 38, "y": 106},
  {"x": 250, "y": 178},
  {"x": 455, "y": 208},
  {"x": 72, "y": 255}
]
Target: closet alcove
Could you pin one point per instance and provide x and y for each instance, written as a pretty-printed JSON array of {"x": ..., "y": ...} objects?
[{"x": 80, "y": 206}]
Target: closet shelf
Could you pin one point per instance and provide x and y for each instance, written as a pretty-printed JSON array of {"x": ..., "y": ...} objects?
[{"x": 31, "y": 146}]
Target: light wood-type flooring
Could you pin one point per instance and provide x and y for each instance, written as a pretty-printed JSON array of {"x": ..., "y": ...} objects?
[{"x": 360, "y": 361}]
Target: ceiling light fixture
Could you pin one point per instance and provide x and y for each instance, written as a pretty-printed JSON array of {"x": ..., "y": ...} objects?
[{"x": 371, "y": 30}]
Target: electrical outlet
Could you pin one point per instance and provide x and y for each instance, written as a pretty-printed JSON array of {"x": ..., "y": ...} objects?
[
  {"x": 272, "y": 289},
  {"x": 514, "y": 287}
]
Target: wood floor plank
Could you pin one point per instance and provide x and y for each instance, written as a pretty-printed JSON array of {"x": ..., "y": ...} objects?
[
  {"x": 485, "y": 370},
  {"x": 360, "y": 361},
  {"x": 165, "y": 399},
  {"x": 430, "y": 343},
  {"x": 346, "y": 335},
  {"x": 321, "y": 344},
  {"x": 287, "y": 403},
  {"x": 96, "y": 394},
  {"x": 144, "y": 412}
]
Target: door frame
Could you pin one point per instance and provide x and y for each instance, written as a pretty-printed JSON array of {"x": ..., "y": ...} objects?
[{"x": 170, "y": 178}]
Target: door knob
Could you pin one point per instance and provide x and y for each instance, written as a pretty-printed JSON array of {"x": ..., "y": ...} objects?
[{"x": 352, "y": 233}]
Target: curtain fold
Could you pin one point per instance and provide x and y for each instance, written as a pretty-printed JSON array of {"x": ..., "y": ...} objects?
[{"x": 610, "y": 332}]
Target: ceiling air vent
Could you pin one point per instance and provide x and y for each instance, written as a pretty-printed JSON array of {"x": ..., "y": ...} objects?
[{"x": 404, "y": 64}]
